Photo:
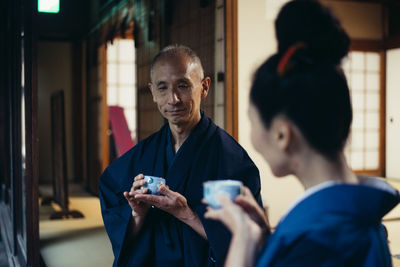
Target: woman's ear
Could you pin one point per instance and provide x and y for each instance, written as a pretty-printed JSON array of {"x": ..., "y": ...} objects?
[{"x": 282, "y": 131}]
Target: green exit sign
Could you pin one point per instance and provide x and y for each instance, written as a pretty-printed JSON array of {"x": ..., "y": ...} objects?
[{"x": 49, "y": 6}]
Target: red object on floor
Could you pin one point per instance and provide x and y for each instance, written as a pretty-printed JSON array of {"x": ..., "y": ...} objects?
[{"x": 119, "y": 126}]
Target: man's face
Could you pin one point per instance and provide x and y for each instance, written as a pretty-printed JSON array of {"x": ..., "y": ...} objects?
[{"x": 177, "y": 88}]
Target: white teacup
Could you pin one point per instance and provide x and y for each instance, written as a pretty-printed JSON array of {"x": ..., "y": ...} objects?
[
  {"x": 152, "y": 184},
  {"x": 211, "y": 189}
]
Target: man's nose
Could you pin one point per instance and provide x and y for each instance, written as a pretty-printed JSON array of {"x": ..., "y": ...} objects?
[{"x": 173, "y": 97}]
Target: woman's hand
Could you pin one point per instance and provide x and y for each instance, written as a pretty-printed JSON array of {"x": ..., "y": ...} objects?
[
  {"x": 251, "y": 207},
  {"x": 243, "y": 216},
  {"x": 234, "y": 218},
  {"x": 246, "y": 233}
]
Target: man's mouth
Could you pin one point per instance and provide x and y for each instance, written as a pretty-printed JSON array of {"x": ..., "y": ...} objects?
[{"x": 175, "y": 111}]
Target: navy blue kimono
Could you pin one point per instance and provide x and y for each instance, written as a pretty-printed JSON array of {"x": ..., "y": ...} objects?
[
  {"x": 209, "y": 153},
  {"x": 339, "y": 225}
]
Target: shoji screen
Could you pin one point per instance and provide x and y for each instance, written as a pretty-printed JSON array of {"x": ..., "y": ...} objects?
[{"x": 363, "y": 72}]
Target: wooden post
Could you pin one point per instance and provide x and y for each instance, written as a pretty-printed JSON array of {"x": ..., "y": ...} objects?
[{"x": 231, "y": 63}]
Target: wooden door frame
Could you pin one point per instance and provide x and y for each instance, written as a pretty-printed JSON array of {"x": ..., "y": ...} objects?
[
  {"x": 231, "y": 71},
  {"x": 20, "y": 227},
  {"x": 105, "y": 139},
  {"x": 105, "y": 143},
  {"x": 31, "y": 136}
]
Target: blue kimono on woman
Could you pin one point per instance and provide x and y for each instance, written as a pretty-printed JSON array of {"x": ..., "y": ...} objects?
[
  {"x": 334, "y": 225},
  {"x": 209, "y": 153}
]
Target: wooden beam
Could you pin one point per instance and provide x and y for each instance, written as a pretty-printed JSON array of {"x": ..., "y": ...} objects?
[
  {"x": 392, "y": 42},
  {"x": 390, "y": 2},
  {"x": 366, "y": 45}
]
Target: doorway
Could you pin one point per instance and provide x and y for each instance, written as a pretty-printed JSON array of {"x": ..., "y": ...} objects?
[{"x": 121, "y": 95}]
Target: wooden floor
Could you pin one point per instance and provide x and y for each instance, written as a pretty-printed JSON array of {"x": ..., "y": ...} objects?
[{"x": 74, "y": 242}]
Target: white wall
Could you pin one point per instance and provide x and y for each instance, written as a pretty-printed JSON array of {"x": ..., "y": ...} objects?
[
  {"x": 256, "y": 41},
  {"x": 54, "y": 73},
  {"x": 393, "y": 114}
]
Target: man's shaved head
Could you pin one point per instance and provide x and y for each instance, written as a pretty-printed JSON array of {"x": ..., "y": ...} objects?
[{"x": 174, "y": 50}]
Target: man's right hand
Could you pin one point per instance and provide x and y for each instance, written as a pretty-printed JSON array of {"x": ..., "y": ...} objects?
[{"x": 139, "y": 208}]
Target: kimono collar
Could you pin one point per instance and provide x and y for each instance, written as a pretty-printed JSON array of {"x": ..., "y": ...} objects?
[
  {"x": 310, "y": 191},
  {"x": 367, "y": 201},
  {"x": 199, "y": 127}
]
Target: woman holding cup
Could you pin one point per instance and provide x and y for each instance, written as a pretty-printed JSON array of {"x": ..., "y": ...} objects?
[{"x": 300, "y": 112}]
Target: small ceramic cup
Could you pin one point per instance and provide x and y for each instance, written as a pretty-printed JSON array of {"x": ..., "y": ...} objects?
[
  {"x": 211, "y": 189},
  {"x": 152, "y": 184}
]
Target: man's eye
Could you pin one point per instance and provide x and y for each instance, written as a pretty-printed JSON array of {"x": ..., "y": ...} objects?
[
  {"x": 162, "y": 88},
  {"x": 183, "y": 86}
]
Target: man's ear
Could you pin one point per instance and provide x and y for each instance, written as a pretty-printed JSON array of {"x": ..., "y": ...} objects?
[
  {"x": 150, "y": 85},
  {"x": 205, "y": 86}
]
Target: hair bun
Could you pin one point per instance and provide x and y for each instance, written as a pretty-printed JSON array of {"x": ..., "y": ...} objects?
[{"x": 309, "y": 22}]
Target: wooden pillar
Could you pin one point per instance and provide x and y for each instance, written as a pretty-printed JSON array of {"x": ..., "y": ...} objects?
[{"x": 231, "y": 61}]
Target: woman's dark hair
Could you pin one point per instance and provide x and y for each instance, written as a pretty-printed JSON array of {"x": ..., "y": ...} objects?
[{"x": 303, "y": 81}]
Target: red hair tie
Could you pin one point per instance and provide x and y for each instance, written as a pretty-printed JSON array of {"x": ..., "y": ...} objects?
[{"x": 282, "y": 65}]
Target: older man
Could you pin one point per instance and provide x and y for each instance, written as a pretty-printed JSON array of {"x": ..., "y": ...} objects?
[{"x": 169, "y": 229}]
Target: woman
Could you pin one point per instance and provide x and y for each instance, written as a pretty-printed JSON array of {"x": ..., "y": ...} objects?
[{"x": 301, "y": 114}]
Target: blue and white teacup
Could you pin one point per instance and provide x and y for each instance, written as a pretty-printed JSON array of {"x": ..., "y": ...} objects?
[
  {"x": 211, "y": 189},
  {"x": 152, "y": 184}
]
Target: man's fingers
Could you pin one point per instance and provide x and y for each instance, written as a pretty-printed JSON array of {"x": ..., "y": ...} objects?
[
  {"x": 138, "y": 191},
  {"x": 131, "y": 199},
  {"x": 212, "y": 214},
  {"x": 143, "y": 191},
  {"x": 164, "y": 189},
  {"x": 139, "y": 177},
  {"x": 150, "y": 199},
  {"x": 137, "y": 184}
]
